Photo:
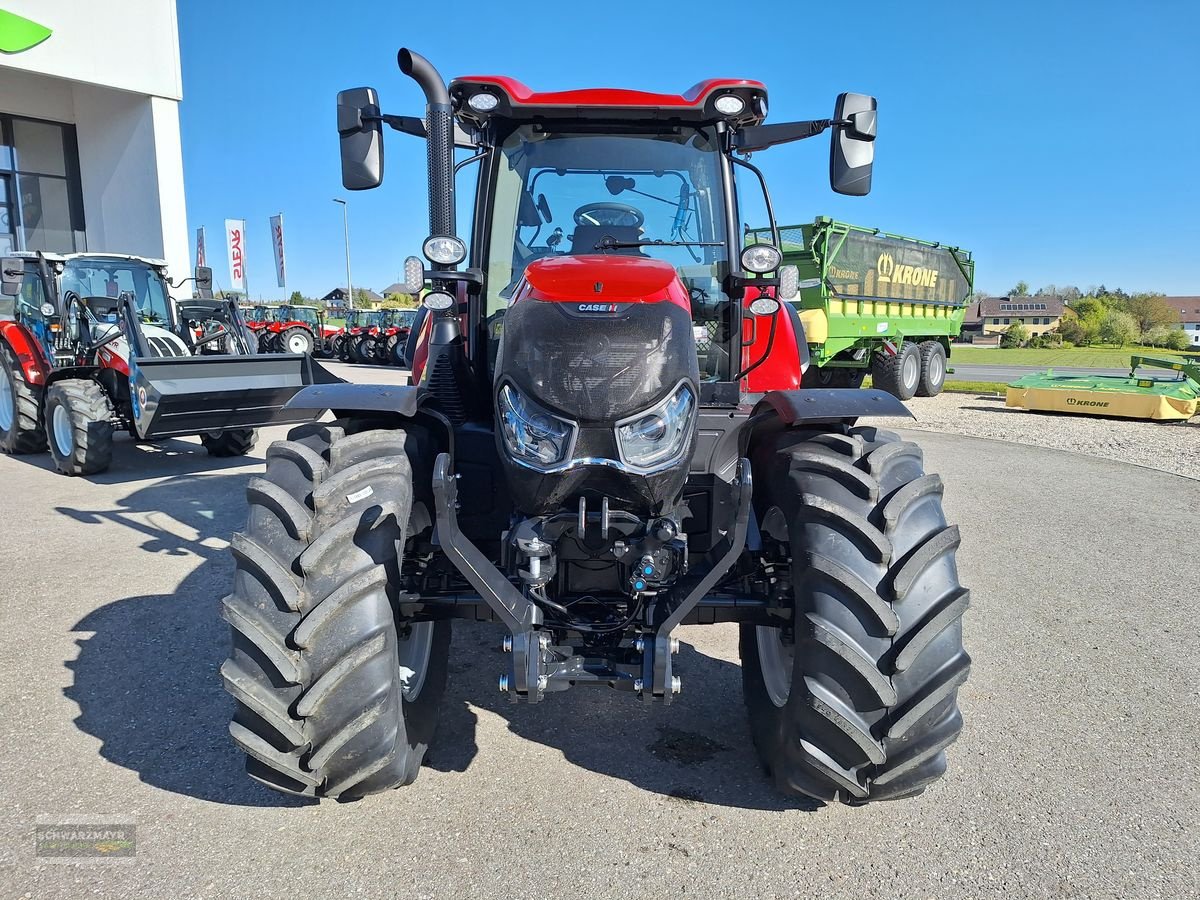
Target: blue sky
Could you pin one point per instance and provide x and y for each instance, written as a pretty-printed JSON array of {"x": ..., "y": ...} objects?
[{"x": 1060, "y": 141}]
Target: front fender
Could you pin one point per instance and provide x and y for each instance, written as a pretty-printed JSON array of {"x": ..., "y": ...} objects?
[
  {"x": 830, "y": 405},
  {"x": 28, "y": 351}
]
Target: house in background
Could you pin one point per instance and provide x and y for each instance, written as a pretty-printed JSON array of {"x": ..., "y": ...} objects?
[
  {"x": 1038, "y": 314},
  {"x": 987, "y": 318},
  {"x": 1189, "y": 316},
  {"x": 365, "y": 297}
]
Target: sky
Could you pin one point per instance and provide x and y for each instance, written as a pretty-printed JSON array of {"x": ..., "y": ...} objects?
[{"x": 1058, "y": 141}]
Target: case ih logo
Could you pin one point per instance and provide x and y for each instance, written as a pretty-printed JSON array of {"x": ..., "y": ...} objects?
[
  {"x": 887, "y": 271},
  {"x": 1071, "y": 401},
  {"x": 601, "y": 308}
]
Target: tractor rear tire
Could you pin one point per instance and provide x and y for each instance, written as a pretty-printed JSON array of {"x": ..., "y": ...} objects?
[
  {"x": 337, "y": 696},
  {"x": 79, "y": 426},
  {"x": 899, "y": 375},
  {"x": 390, "y": 348},
  {"x": 361, "y": 348},
  {"x": 21, "y": 429},
  {"x": 933, "y": 369},
  {"x": 237, "y": 442},
  {"x": 856, "y": 697},
  {"x": 297, "y": 341}
]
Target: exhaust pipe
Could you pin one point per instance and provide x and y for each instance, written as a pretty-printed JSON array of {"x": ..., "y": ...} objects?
[{"x": 439, "y": 128}]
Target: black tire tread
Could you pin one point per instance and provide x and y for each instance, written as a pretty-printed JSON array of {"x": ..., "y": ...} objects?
[
  {"x": 92, "y": 416},
  {"x": 886, "y": 371},
  {"x": 236, "y": 442},
  {"x": 878, "y": 647},
  {"x": 27, "y": 434},
  {"x": 319, "y": 708},
  {"x": 925, "y": 386}
]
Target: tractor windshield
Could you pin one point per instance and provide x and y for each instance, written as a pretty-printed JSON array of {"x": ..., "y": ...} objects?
[
  {"x": 305, "y": 314},
  {"x": 659, "y": 195},
  {"x": 114, "y": 279}
]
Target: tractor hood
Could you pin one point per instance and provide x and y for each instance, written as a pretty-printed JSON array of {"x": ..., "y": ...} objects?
[{"x": 603, "y": 278}]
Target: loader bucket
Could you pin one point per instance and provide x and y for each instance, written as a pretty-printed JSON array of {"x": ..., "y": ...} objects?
[{"x": 193, "y": 395}]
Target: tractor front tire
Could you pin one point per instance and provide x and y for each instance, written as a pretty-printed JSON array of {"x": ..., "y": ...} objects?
[
  {"x": 237, "y": 442},
  {"x": 297, "y": 341},
  {"x": 21, "y": 428},
  {"x": 899, "y": 375},
  {"x": 933, "y": 369},
  {"x": 337, "y": 696},
  {"x": 856, "y": 696},
  {"x": 79, "y": 426}
]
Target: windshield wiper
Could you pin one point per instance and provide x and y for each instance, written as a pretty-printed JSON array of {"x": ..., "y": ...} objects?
[{"x": 612, "y": 244}]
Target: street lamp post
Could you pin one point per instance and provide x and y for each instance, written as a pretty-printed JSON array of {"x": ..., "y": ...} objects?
[{"x": 346, "y": 231}]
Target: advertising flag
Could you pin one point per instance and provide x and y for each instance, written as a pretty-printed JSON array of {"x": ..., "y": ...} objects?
[
  {"x": 235, "y": 239},
  {"x": 201, "y": 253},
  {"x": 277, "y": 244}
]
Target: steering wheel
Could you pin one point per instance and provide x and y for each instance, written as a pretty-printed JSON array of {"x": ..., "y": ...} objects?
[{"x": 608, "y": 213}]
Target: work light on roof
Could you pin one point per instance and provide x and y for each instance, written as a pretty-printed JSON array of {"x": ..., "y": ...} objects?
[
  {"x": 729, "y": 104},
  {"x": 483, "y": 102}
]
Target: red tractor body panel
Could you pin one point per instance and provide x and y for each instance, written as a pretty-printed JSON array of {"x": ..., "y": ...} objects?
[
  {"x": 602, "y": 279},
  {"x": 619, "y": 98},
  {"x": 27, "y": 350},
  {"x": 783, "y": 366}
]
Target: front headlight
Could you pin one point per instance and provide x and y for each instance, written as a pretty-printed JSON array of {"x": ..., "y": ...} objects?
[
  {"x": 660, "y": 433},
  {"x": 531, "y": 434}
]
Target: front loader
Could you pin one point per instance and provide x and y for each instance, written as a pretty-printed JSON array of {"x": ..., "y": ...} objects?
[
  {"x": 605, "y": 438},
  {"x": 91, "y": 343}
]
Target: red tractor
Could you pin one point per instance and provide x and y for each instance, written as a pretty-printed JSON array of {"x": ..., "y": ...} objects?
[
  {"x": 91, "y": 343},
  {"x": 572, "y": 462},
  {"x": 296, "y": 329}
]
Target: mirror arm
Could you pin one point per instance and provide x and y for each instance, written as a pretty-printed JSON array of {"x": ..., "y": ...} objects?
[{"x": 760, "y": 137}]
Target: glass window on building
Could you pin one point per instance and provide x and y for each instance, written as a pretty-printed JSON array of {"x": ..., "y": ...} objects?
[{"x": 41, "y": 201}]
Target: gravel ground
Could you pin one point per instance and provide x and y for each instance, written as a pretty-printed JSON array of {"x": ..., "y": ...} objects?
[{"x": 1168, "y": 447}]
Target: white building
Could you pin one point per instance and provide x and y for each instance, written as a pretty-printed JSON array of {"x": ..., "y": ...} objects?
[{"x": 89, "y": 129}]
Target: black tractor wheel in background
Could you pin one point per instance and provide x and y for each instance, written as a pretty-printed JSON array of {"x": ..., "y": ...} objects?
[
  {"x": 398, "y": 349},
  {"x": 899, "y": 375},
  {"x": 336, "y": 695},
  {"x": 297, "y": 340},
  {"x": 856, "y": 697},
  {"x": 237, "y": 442},
  {"x": 832, "y": 377},
  {"x": 362, "y": 349},
  {"x": 389, "y": 349},
  {"x": 20, "y": 408},
  {"x": 79, "y": 426},
  {"x": 933, "y": 369}
]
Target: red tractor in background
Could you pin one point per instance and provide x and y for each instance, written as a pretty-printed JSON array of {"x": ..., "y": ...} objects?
[
  {"x": 92, "y": 343},
  {"x": 573, "y": 462},
  {"x": 297, "y": 330}
]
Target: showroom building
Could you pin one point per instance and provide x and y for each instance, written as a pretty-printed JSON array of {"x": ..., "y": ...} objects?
[{"x": 90, "y": 155}]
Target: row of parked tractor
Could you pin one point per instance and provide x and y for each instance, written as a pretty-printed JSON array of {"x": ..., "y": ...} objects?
[{"x": 378, "y": 336}]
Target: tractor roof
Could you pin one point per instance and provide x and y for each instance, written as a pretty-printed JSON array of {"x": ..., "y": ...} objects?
[
  {"x": 517, "y": 101},
  {"x": 67, "y": 257}
]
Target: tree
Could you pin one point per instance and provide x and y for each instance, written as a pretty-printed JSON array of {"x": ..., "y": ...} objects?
[
  {"x": 1151, "y": 310},
  {"x": 1177, "y": 339},
  {"x": 1021, "y": 289},
  {"x": 298, "y": 299},
  {"x": 1014, "y": 336},
  {"x": 1049, "y": 290},
  {"x": 400, "y": 301},
  {"x": 1158, "y": 336},
  {"x": 1119, "y": 328}
]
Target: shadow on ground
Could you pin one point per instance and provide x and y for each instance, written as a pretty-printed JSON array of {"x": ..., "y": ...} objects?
[
  {"x": 147, "y": 683},
  {"x": 138, "y": 460}
]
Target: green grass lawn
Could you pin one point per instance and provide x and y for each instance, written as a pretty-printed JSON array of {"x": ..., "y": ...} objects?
[{"x": 1075, "y": 357}]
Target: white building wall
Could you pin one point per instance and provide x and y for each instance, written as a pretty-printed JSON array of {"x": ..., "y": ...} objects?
[{"x": 111, "y": 68}]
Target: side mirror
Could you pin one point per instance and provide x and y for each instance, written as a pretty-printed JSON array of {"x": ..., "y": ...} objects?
[
  {"x": 360, "y": 131},
  {"x": 12, "y": 270},
  {"x": 204, "y": 281},
  {"x": 852, "y": 145}
]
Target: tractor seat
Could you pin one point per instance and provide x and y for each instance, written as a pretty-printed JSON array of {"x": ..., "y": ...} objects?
[{"x": 586, "y": 237}]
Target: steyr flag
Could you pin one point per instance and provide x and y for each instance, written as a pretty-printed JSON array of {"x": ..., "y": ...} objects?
[
  {"x": 201, "y": 253},
  {"x": 235, "y": 240},
  {"x": 277, "y": 243}
]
